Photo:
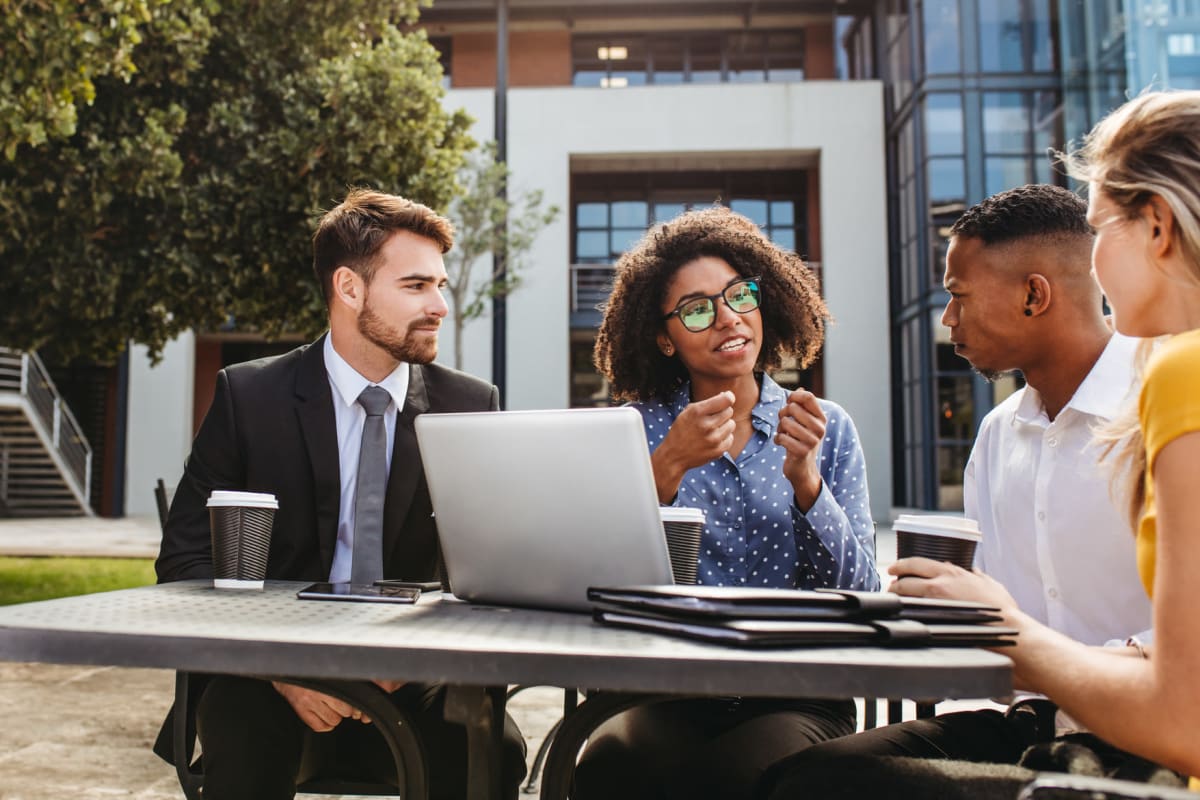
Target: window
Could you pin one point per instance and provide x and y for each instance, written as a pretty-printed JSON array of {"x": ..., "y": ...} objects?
[
  {"x": 954, "y": 387},
  {"x": 1183, "y": 61},
  {"x": 443, "y": 44},
  {"x": 898, "y": 53},
  {"x": 1017, "y": 36},
  {"x": 611, "y": 211},
  {"x": 855, "y": 51},
  {"x": 618, "y": 60},
  {"x": 941, "y": 37},
  {"x": 1019, "y": 128}
]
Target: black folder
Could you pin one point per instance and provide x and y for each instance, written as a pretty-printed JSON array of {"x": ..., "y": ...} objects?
[{"x": 792, "y": 618}]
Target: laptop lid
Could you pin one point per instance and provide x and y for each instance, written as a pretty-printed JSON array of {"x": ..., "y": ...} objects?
[{"x": 533, "y": 507}]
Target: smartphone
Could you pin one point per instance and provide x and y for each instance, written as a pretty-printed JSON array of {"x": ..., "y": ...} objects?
[
  {"x": 424, "y": 586},
  {"x": 362, "y": 592}
]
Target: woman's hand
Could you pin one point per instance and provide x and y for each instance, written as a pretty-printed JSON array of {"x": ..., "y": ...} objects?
[
  {"x": 701, "y": 432},
  {"x": 924, "y": 577},
  {"x": 801, "y": 429}
]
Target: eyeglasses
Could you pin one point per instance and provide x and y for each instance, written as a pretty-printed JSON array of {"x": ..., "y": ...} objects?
[{"x": 699, "y": 313}]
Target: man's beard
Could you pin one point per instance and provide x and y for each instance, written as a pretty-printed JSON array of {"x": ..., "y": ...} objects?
[
  {"x": 993, "y": 375},
  {"x": 989, "y": 375},
  {"x": 401, "y": 348}
]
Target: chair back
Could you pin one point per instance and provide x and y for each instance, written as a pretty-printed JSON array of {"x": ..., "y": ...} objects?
[{"x": 162, "y": 502}]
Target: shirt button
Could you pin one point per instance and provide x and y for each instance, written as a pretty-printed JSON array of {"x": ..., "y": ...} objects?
[
  {"x": 1052, "y": 592},
  {"x": 1042, "y": 516},
  {"x": 1052, "y": 442}
]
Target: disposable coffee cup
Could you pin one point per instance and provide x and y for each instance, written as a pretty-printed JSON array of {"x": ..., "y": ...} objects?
[
  {"x": 683, "y": 528},
  {"x": 942, "y": 538},
  {"x": 241, "y": 537}
]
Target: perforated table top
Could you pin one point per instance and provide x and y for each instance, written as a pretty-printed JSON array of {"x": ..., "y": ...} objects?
[{"x": 189, "y": 625}]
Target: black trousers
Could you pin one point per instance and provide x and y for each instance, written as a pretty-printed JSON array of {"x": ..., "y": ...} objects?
[
  {"x": 969, "y": 754},
  {"x": 702, "y": 748},
  {"x": 256, "y": 748}
]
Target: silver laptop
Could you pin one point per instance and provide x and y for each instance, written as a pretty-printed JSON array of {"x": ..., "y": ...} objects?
[{"x": 533, "y": 507}]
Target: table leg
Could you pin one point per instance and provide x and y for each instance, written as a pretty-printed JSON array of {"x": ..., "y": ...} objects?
[{"x": 480, "y": 710}]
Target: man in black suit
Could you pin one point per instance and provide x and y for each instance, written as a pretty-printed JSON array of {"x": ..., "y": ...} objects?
[{"x": 294, "y": 426}]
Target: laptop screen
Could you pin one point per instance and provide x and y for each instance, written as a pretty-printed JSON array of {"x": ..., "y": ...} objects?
[{"x": 533, "y": 507}]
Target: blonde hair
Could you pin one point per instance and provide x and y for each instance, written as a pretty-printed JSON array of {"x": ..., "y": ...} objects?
[{"x": 1148, "y": 147}]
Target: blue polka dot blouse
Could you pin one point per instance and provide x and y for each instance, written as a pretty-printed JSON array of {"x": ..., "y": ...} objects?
[{"x": 754, "y": 534}]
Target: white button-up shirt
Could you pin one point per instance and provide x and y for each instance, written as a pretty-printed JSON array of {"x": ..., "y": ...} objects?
[
  {"x": 1051, "y": 531},
  {"x": 346, "y": 385}
]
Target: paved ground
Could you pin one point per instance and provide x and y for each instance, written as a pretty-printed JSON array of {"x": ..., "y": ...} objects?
[{"x": 85, "y": 732}]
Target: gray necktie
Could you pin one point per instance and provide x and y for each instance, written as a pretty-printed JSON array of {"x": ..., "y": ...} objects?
[{"x": 367, "y": 564}]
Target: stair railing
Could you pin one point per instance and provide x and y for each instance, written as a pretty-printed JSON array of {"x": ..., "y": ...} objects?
[{"x": 26, "y": 373}]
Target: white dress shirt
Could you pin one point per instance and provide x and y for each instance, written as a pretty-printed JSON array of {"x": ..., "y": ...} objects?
[
  {"x": 346, "y": 385},
  {"x": 1051, "y": 531}
]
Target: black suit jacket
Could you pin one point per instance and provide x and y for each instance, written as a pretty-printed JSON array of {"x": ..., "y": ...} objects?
[{"x": 271, "y": 428}]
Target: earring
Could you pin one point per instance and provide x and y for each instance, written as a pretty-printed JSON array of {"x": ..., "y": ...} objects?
[
  {"x": 668, "y": 350},
  {"x": 1029, "y": 312}
]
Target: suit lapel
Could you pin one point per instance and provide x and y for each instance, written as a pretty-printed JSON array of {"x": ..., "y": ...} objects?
[
  {"x": 319, "y": 426},
  {"x": 406, "y": 462}
]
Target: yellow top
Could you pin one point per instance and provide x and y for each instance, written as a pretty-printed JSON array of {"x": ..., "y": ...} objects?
[{"x": 1169, "y": 407}]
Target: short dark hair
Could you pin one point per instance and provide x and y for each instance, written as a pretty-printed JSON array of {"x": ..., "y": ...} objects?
[
  {"x": 793, "y": 313},
  {"x": 352, "y": 233},
  {"x": 1036, "y": 210}
]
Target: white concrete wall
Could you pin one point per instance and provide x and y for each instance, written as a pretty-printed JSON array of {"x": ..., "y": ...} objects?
[
  {"x": 159, "y": 433},
  {"x": 841, "y": 122}
]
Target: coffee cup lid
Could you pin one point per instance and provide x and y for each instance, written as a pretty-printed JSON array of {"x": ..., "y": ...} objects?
[
  {"x": 940, "y": 525},
  {"x": 681, "y": 514},
  {"x": 224, "y": 497}
]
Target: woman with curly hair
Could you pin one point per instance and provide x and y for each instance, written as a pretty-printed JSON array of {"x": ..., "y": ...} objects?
[{"x": 702, "y": 306}]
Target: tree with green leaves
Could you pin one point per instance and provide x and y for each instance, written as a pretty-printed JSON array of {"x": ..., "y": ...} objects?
[
  {"x": 53, "y": 52},
  {"x": 186, "y": 194},
  {"x": 487, "y": 223}
]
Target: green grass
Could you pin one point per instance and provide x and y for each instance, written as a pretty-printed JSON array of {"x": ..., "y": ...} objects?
[{"x": 24, "y": 580}]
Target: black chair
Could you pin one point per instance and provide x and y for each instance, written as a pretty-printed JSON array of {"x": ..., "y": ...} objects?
[
  {"x": 162, "y": 502},
  {"x": 393, "y": 724}
]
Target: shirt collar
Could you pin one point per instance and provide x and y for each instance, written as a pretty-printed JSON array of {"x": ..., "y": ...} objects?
[
  {"x": 348, "y": 383},
  {"x": 1102, "y": 392}
]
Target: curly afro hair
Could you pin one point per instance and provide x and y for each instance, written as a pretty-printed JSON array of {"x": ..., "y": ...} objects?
[{"x": 793, "y": 313}]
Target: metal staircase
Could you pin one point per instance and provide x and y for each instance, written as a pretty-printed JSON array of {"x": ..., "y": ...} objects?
[{"x": 45, "y": 461}]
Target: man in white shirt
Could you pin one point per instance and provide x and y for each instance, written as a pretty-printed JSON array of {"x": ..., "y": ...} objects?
[{"x": 1022, "y": 298}]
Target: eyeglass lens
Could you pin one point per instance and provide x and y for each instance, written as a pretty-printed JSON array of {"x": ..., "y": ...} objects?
[{"x": 701, "y": 313}]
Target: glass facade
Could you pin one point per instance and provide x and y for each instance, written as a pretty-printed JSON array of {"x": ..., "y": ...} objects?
[
  {"x": 998, "y": 86},
  {"x": 973, "y": 112},
  {"x": 1163, "y": 44}
]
